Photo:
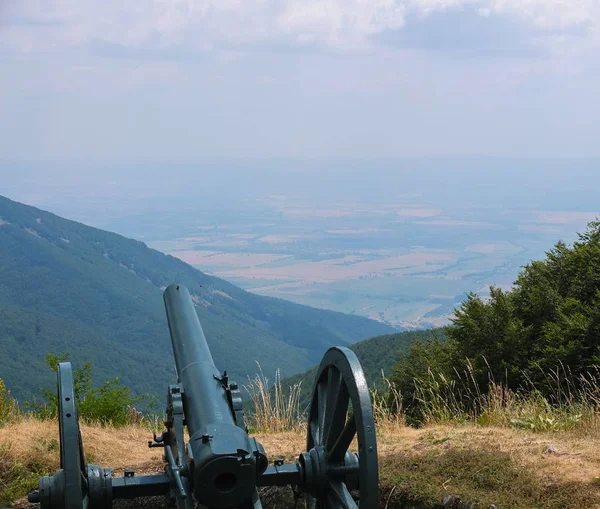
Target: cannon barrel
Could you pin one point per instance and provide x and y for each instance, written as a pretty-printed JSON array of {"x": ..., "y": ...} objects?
[
  {"x": 204, "y": 398},
  {"x": 223, "y": 458}
]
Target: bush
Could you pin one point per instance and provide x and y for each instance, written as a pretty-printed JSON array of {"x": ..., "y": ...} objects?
[
  {"x": 111, "y": 403},
  {"x": 518, "y": 339},
  {"x": 423, "y": 357},
  {"x": 8, "y": 405}
]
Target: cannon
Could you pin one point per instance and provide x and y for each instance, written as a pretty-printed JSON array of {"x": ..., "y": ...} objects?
[{"x": 221, "y": 466}]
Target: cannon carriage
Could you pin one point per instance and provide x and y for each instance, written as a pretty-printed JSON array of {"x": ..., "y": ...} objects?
[{"x": 221, "y": 466}]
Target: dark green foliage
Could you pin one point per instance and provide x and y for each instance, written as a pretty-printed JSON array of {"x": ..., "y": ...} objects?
[
  {"x": 377, "y": 356},
  {"x": 435, "y": 353},
  {"x": 558, "y": 299},
  {"x": 550, "y": 318},
  {"x": 493, "y": 337},
  {"x": 65, "y": 286},
  {"x": 107, "y": 404}
]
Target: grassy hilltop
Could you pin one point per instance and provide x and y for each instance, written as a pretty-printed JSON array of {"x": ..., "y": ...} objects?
[{"x": 439, "y": 465}]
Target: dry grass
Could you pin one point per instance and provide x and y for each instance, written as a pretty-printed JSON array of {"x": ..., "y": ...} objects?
[
  {"x": 39, "y": 439},
  {"x": 499, "y": 454},
  {"x": 568, "y": 403},
  {"x": 504, "y": 448},
  {"x": 507, "y": 467},
  {"x": 276, "y": 408},
  {"x": 29, "y": 448},
  {"x": 387, "y": 408},
  {"x": 8, "y": 406}
]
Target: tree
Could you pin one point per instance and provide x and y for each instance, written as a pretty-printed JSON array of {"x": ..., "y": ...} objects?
[
  {"x": 434, "y": 355},
  {"x": 550, "y": 318},
  {"x": 109, "y": 403},
  {"x": 492, "y": 338}
]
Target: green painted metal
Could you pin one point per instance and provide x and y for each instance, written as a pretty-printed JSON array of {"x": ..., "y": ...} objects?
[
  {"x": 221, "y": 466},
  {"x": 72, "y": 460},
  {"x": 225, "y": 466},
  {"x": 341, "y": 411}
]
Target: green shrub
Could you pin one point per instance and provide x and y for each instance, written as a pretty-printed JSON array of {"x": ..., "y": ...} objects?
[
  {"x": 8, "y": 406},
  {"x": 17, "y": 477},
  {"x": 542, "y": 335},
  {"x": 111, "y": 403}
]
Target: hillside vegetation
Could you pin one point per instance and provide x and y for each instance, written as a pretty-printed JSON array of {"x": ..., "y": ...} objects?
[
  {"x": 377, "y": 355},
  {"x": 540, "y": 338},
  {"x": 67, "y": 287}
]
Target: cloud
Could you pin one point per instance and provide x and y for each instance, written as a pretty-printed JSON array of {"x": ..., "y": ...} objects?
[
  {"x": 183, "y": 78},
  {"x": 464, "y": 32},
  {"x": 547, "y": 14},
  {"x": 203, "y": 25}
]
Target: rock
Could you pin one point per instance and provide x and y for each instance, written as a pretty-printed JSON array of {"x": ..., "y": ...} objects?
[{"x": 451, "y": 501}]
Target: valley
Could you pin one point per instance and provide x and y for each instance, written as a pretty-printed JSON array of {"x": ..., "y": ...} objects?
[
  {"x": 401, "y": 264},
  {"x": 401, "y": 241}
]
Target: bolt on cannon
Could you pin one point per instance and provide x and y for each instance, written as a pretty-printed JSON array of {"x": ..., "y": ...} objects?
[{"x": 221, "y": 466}]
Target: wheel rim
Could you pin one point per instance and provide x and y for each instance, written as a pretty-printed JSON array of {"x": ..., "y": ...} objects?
[
  {"x": 72, "y": 460},
  {"x": 341, "y": 411}
]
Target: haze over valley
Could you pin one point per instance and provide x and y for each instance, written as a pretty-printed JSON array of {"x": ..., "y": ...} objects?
[
  {"x": 380, "y": 158},
  {"x": 401, "y": 242}
]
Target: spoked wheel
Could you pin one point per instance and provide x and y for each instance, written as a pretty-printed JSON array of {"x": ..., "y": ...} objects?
[
  {"x": 72, "y": 459},
  {"x": 76, "y": 485},
  {"x": 340, "y": 412},
  {"x": 67, "y": 489}
]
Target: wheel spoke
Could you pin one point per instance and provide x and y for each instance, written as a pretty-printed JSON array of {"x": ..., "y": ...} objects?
[
  {"x": 338, "y": 451},
  {"x": 339, "y": 496},
  {"x": 314, "y": 431},
  {"x": 338, "y": 415},
  {"x": 321, "y": 410},
  {"x": 334, "y": 383}
]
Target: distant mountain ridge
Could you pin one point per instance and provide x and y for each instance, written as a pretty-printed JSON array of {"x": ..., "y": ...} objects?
[{"x": 65, "y": 286}]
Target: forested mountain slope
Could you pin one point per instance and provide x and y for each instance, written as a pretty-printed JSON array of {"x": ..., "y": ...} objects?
[
  {"x": 377, "y": 355},
  {"x": 65, "y": 287}
]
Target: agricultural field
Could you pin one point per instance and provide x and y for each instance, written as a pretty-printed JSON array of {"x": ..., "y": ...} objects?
[{"x": 402, "y": 263}]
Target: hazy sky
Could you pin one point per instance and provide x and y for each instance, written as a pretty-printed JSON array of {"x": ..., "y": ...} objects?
[{"x": 183, "y": 79}]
